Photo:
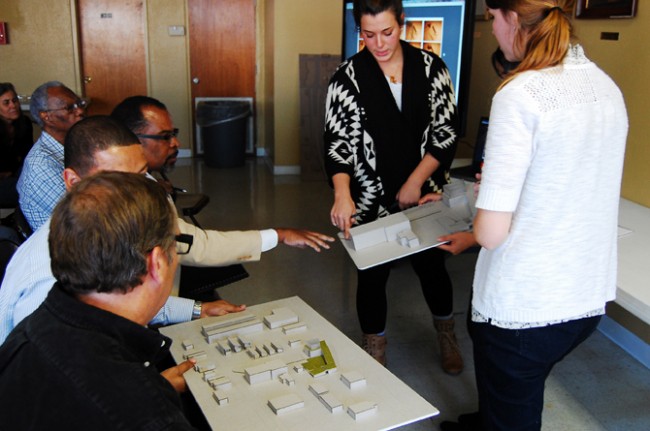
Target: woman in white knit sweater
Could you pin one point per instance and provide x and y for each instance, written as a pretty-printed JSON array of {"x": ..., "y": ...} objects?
[{"x": 547, "y": 211}]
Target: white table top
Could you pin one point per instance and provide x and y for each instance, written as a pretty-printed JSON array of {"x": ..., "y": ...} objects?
[
  {"x": 633, "y": 280},
  {"x": 247, "y": 409}
]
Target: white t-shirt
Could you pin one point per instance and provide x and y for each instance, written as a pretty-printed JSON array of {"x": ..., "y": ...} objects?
[{"x": 554, "y": 157}]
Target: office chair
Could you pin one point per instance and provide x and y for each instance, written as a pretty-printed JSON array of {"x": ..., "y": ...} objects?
[
  {"x": 188, "y": 204},
  {"x": 10, "y": 240}
]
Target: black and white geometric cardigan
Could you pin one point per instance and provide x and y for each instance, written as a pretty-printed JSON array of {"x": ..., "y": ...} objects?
[{"x": 350, "y": 148}]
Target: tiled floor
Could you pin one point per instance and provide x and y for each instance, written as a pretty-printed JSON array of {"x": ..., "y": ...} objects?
[{"x": 598, "y": 387}]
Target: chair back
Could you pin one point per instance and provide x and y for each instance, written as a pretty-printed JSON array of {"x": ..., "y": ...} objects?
[{"x": 10, "y": 240}]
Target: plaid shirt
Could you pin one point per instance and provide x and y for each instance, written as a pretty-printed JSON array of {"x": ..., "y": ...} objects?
[{"x": 41, "y": 185}]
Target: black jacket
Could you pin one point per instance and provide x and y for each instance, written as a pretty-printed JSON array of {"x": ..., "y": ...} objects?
[{"x": 73, "y": 366}]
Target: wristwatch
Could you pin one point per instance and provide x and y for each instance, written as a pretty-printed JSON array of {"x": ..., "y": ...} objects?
[{"x": 196, "y": 310}]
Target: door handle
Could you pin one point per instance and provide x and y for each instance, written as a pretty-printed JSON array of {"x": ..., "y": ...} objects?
[
  {"x": 196, "y": 80},
  {"x": 88, "y": 79}
]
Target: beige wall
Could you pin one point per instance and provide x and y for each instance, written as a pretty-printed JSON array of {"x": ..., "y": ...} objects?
[
  {"x": 41, "y": 44},
  {"x": 627, "y": 61},
  {"x": 301, "y": 27},
  {"x": 43, "y": 47}
]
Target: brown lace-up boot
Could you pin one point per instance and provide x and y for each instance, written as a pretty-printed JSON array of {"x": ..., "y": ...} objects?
[
  {"x": 375, "y": 346},
  {"x": 452, "y": 361}
]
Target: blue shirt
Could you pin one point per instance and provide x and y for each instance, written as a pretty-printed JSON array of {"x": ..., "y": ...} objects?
[
  {"x": 29, "y": 278},
  {"x": 41, "y": 186}
]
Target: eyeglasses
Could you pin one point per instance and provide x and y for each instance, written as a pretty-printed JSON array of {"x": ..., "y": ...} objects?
[
  {"x": 166, "y": 136},
  {"x": 184, "y": 243},
  {"x": 79, "y": 104}
]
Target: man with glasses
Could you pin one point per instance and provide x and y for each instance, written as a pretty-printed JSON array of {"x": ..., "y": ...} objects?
[
  {"x": 152, "y": 123},
  {"x": 55, "y": 108},
  {"x": 95, "y": 144},
  {"x": 85, "y": 359}
]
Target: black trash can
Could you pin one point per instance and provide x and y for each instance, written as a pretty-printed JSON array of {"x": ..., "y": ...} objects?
[{"x": 223, "y": 132}]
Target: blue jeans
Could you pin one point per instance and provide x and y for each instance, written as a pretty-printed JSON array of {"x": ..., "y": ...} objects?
[{"x": 513, "y": 364}]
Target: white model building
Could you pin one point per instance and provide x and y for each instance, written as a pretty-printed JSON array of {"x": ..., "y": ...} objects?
[
  {"x": 382, "y": 230},
  {"x": 362, "y": 409},
  {"x": 280, "y": 317},
  {"x": 216, "y": 328},
  {"x": 285, "y": 403}
]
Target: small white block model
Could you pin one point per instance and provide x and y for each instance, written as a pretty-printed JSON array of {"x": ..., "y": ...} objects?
[
  {"x": 253, "y": 353},
  {"x": 219, "y": 327},
  {"x": 198, "y": 355},
  {"x": 257, "y": 374},
  {"x": 294, "y": 327},
  {"x": 382, "y": 230},
  {"x": 353, "y": 379},
  {"x": 234, "y": 344},
  {"x": 454, "y": 194},
  {"x": 269, "y": 349},
  {"x": 318, "y": 389},
  {"x": 224, "y": 347},
  {"x": 312, "y": 348},
  {"x": 204, "y": 367},
  {"x": 331, "y": 402},
  {"x": 298, "y": 368},
  {"x": 220, "y": 397},
  {"x": 407, "y": 238},
  {"x": 210, "y": 375},
  {"x": 362, "y": 409},
  {"x": 264, "y": 372},
  {"x": 187, "y": 344},
  {"x": 277, "y": 347},
  {"x": 243, "y": 341},
  {"x": 262, "y": 352},
  {"x": 295, "y": 343},
  {"x": 285, "y": 403},
  {"x": 221, "y": 383},
  {"x": 280, "y": 317}
]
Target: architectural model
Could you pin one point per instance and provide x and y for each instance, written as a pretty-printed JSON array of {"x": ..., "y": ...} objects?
[
  {"x": 320, "y": 360},
  {"x": 412, "y": 230},
  {"x": 252, "y": 373}
]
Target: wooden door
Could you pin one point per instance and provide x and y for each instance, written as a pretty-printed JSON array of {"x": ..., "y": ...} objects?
[
  {"x": 222, "y": 48},
  {"x": 113, "y": 59},
  {"x": 315, "y": 73}
]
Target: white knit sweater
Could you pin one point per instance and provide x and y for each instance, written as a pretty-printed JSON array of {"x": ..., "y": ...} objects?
[{"x": 554, "y": 157}]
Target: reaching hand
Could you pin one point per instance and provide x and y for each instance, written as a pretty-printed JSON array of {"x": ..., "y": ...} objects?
[
  {"x": 430, "y": 197},
  {"x": 303, "y": 238},
  {"x": 458, "y": 242},
  {"x": 174, "y": 375},
  {"x": 408, "y": 195},
  {"x": 219, "y": 308},
  {"x": 342, "y": 214}
]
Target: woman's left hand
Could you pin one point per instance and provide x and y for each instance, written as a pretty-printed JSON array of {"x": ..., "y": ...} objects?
[{"x": 408, "y": 195}]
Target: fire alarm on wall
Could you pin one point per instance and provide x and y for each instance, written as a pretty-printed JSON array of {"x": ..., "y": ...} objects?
[{"x": 4, "y": 37}]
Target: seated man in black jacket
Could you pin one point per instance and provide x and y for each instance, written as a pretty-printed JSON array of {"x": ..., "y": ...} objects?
[{"x": 85, "y": 358}]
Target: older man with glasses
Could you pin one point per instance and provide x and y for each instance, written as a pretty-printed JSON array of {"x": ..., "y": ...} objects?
[
  {"x": 151, "y": 122},
  {"x": 55, "y": 108}
]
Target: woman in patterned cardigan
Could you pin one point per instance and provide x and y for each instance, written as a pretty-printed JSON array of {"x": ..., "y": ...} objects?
[{"x": 390, "y": 136}]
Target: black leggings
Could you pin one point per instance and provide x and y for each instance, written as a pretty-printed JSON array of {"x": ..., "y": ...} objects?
[{"x": 372, "y": 305}]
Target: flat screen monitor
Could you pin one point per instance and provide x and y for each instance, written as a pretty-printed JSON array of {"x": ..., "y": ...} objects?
[{"x": 443, "y": 27}]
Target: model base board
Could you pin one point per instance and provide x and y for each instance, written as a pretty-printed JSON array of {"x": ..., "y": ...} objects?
[
  {"x": 412, "y": 230},
  {"x": 278, "y": 391}
]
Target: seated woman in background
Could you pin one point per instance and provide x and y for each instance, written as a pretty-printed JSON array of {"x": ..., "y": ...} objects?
[{"x": 15, "y": 142}]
